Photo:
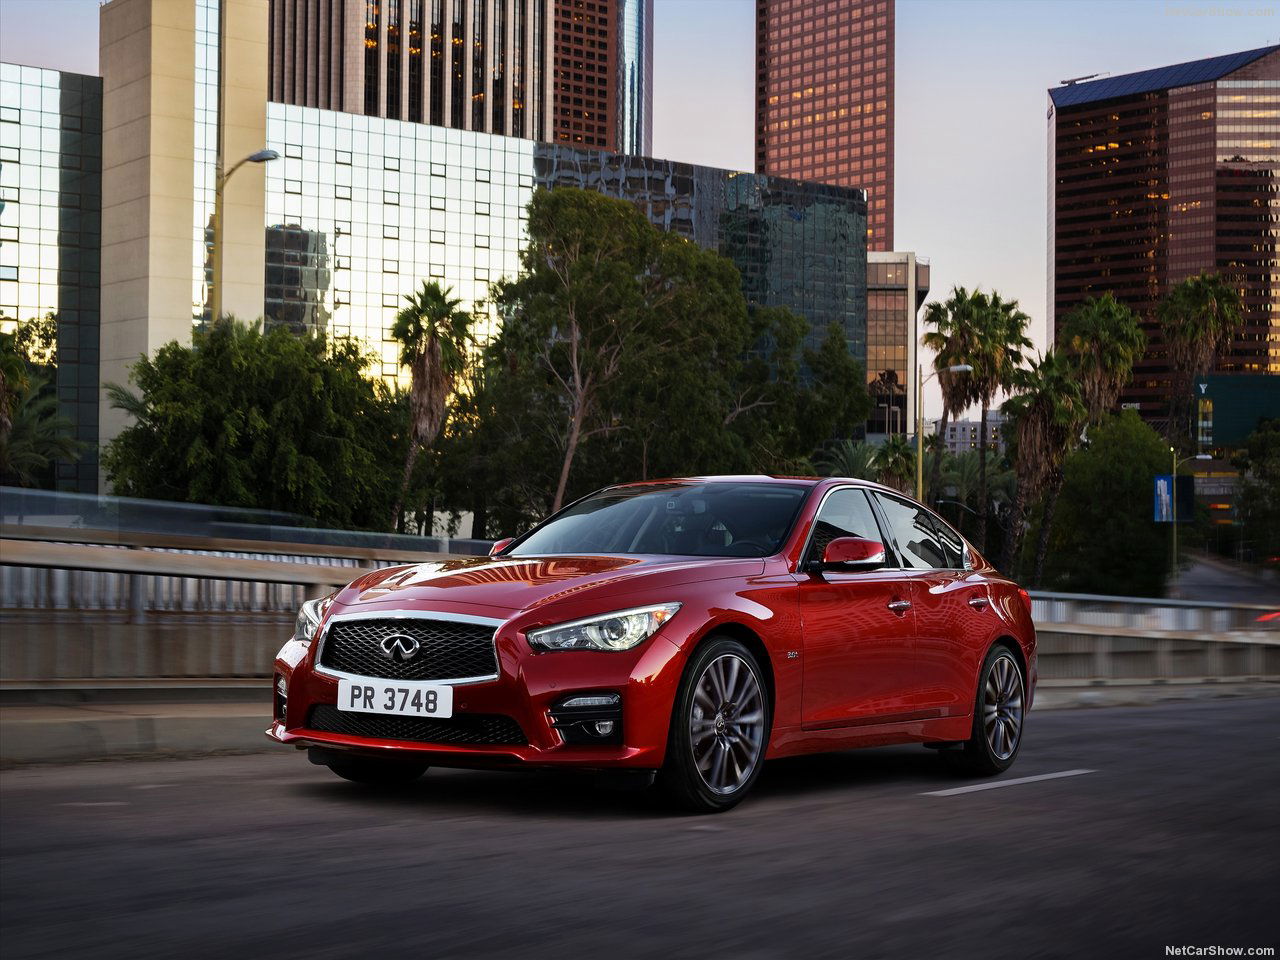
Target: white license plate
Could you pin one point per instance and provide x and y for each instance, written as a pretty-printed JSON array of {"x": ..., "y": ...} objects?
[{"x": 406, "y": 698}]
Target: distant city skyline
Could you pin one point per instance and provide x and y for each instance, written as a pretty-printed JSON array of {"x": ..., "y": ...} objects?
[{"x": 972, "y": 78}]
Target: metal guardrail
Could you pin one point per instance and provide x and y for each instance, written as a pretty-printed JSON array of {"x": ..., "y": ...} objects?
[
  {"x": 144, "y": 609},
  {"x": 114, "y": 570},
  {"x": 78, "y": 515},
  {"x": 61, "y": 576},
  {"x": 1147, "y": 613}
]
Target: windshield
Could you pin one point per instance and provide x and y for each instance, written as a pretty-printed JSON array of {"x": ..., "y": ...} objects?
[{"x": 715, "y": 519}]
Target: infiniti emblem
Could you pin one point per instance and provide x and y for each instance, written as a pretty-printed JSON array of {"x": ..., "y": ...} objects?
[{"x": 399, "y": 647}]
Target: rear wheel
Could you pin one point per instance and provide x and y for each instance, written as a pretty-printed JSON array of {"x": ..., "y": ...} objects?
[
  {"x": 719, "y": 728},
  {"x": 378, "y": 773},
  {"x": 998, "y": 715}
]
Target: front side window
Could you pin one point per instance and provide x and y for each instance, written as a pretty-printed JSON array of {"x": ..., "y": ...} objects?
[
  {"x": 914, "y": 534},
  {"x": 845, "y": 513},
  {"x": 714, "y": 519}
]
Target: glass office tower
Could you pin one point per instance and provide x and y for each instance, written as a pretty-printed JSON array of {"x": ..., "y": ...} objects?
[
  {"x": 50, "y": 234},
  {"x": 362, "y": 209}
]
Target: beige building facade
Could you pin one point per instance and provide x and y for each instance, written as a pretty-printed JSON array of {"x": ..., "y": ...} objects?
[{"x": 159, "y": 161}]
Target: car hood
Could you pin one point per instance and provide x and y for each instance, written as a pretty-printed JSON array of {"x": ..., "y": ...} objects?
[{"x": 523, "y": 583}]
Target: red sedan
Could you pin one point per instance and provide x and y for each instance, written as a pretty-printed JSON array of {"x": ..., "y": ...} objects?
[{"x": 693, "y": 628}]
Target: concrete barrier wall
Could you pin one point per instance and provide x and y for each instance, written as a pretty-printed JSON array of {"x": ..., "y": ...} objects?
[
  {"x": 41, "y": 646},
  {"x": 1079, "y": 654},
  {"x": 96, "y": 646}
]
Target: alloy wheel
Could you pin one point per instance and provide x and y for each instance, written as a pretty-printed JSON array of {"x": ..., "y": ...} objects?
[
  {"x": 726, "y": 723},
  {"x": 1002, "y": 707}
]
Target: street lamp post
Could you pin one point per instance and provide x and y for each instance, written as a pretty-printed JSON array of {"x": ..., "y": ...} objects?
[
  {"x": 1173, "y": 485},
  {"x": 220, "y": 183},
  {"x": 920, "y": 382}
]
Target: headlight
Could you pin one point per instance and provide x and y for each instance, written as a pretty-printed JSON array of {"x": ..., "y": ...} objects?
[
  {"x": 610, "y": 631},
  {"x": 304, "y": 628}
]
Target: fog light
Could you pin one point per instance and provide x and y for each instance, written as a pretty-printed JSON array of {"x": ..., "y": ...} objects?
[{"x": 591, "y": 718}]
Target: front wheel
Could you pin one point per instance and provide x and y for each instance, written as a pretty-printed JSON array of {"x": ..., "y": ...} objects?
[
  {"x": 719, "y": 728},
  {"x": 377, "y": 773},
  {"x": 998, "y": 715}
]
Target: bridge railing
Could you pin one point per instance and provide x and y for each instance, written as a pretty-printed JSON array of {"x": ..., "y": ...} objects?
[
  {"x": 119, "y": 607},
  {"x": 1151, "y": 614},
  {"x": 78, "y": 552}
]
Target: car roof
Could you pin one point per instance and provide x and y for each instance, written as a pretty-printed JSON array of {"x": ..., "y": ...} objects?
[{"x": 760, "y": 478}]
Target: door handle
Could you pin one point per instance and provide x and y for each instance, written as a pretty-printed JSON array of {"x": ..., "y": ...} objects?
[
  {"x": 978, "y": 602},
  {"x": 899, "y": 606}
]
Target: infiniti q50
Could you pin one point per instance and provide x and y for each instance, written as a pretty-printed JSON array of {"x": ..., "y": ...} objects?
[{"x": 684, "y": 629}]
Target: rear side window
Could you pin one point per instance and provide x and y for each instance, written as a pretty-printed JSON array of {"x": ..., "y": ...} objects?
[
  {"x": 952, "y": 545},
  {"x": 845, "y": 513},
  {"x": 919, "y": 546}
]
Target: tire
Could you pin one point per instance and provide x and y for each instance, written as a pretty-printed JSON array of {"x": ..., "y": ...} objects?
[
  {"x": 999, "y": 717},
  {"x": 714, "y": 758},
  {"x": 377, "y": 773}
]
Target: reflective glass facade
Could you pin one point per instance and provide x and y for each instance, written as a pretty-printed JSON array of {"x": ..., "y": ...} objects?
[
  {"x": 361, "y": 210},
  {"x": 825, "y": 100},
  {"x": 50, "y": 233},
  {"x": 634, "y": 124},
  {"x": 204, "y": 170},
  {"x": 1159, "y": 184}
]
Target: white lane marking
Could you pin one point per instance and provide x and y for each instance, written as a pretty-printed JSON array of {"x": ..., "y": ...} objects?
[
  {"x": 996, "y": 785},
  {"x": 102, "y": 803}
]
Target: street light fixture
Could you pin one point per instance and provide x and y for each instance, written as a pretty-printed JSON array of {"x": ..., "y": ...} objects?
[
  {"x": 920, "y": 382},
  {"x": 220, "y": 183},
  {"x": 1173, "y": 483}
]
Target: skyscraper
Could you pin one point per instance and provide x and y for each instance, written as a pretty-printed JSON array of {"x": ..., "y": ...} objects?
[
  {"x": 1160, "y": 175},
  {"x": 824, "y": 98},
  {"x": 467, "y": 64},
  {"x": 576, "y": 71},
  {"x": 604, "y": 74}
]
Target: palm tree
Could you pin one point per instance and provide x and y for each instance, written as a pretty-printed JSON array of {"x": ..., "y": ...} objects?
[
  {"x": 995, "y": 357},
  {"x": 434, "y": 337},
  {"x": 895, "y": 462},
  {"x": 1046, "y": 414},
  {"x": 951, "y": 339},
  {"x": 848, "y": 458},
  {"x": 38, "y": 434},
  {"x": 1105, "y": 341},
  {"x": 1199, "y": 318}
]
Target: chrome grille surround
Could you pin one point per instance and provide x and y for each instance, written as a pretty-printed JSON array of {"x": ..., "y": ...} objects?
[{"x": 385, "y": 669}]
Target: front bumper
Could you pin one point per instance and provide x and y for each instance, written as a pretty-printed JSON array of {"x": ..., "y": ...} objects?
[{"x": 528, "y": 686}]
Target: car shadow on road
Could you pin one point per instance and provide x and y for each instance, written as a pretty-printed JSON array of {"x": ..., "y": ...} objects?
[
  {"x": 565, "y": 794},
  {"x": 530, "y": 793},
  {"x": 908, "y": 766}
]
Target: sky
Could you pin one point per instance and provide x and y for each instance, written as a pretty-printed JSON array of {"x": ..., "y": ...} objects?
[{"x": 971, "y": 130}]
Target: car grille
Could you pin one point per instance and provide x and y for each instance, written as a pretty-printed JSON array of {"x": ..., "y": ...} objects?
[
  {"x": 482, "y": 729},
  {"x": 450, "y": 650}
]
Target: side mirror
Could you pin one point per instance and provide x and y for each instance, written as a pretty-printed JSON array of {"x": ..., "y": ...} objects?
[
  {"x": 500, "y": 545},
  {"x": 853, "y": 553}
]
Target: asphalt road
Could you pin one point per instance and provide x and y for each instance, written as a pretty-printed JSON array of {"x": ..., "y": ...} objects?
[{"x": 1173, "y": 840}]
